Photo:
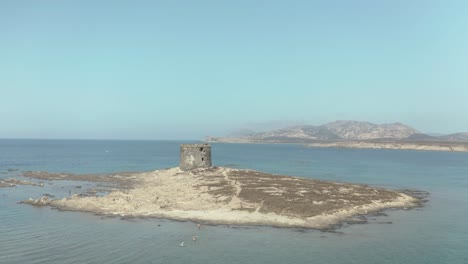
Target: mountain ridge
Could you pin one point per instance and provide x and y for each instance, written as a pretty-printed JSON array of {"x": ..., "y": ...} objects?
[{"x": 340, "y": 130}]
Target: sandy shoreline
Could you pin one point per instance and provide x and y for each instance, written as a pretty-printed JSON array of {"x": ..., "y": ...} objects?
[
  {"x": 450, "y": 147},
  {"x": 228, "y": 196}
]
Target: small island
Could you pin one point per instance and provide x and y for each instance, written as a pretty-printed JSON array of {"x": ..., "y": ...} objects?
[{"x": 196, "y": 191}]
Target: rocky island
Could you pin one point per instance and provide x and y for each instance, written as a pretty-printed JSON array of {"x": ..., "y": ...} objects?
[
  {"x": 196, "y": 191},
  {"x": 231, "y": 196}
]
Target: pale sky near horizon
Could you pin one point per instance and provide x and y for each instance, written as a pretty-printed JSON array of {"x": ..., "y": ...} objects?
[{"x": 187, "y": 69}]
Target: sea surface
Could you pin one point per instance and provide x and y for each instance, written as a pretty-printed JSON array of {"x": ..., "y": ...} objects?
[{"x": 436, "y": 233}]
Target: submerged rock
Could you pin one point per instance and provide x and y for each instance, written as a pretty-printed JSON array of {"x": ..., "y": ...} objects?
[
  {"x": 6, "y": 184},
  {"x": 13, "y": 182},
  {"x": 43, "y": 201}
]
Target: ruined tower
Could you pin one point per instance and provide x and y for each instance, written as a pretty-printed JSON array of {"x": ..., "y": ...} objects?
[{"x": 194, "y": 156}]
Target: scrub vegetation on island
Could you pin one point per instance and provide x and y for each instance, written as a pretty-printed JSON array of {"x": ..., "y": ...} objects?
[{"x": 222, "y": 195}]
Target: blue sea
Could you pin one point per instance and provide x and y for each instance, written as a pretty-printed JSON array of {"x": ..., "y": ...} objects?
[{"x": 436, "y": 233}]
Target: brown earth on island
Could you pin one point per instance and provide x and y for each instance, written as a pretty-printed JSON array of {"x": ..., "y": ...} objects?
[{"x": 228, "y": 196}]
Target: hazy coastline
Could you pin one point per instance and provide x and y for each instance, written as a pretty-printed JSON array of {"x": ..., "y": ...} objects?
[
  {"x": 421, "y": 146},
  {"x": 393, "y": 145},
  {"x": 353, "y": 134}
]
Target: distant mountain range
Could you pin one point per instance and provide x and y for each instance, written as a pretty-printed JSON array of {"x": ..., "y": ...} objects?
[
  {"x": 456, "y": 137},
  {"x": 339, "y": 131}
]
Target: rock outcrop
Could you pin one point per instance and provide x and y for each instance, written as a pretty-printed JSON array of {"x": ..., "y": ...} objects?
[{"x": 233, "y": 196}]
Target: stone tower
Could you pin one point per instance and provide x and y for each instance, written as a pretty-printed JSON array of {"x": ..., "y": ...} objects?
[{"x": 194, "y": 156}]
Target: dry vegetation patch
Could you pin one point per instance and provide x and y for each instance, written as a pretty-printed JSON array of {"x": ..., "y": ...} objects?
[{"x": 226, "y": 195}]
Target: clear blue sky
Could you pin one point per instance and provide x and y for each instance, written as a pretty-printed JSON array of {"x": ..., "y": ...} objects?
[{"x": 186, "y": 69}]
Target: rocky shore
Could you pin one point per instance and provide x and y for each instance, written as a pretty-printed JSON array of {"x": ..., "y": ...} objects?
[
  {"x": 227, "y": 196},
  {"x": 12, "y": 182}
]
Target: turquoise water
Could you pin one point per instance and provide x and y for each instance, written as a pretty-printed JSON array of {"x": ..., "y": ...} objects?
[{"x": 437, "y": 233}]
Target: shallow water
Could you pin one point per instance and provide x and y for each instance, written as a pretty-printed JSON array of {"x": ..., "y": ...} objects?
[{"x": 437, "y": 233}]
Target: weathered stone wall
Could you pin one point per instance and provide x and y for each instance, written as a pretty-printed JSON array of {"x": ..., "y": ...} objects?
[{"x": 194, "y": 156}]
